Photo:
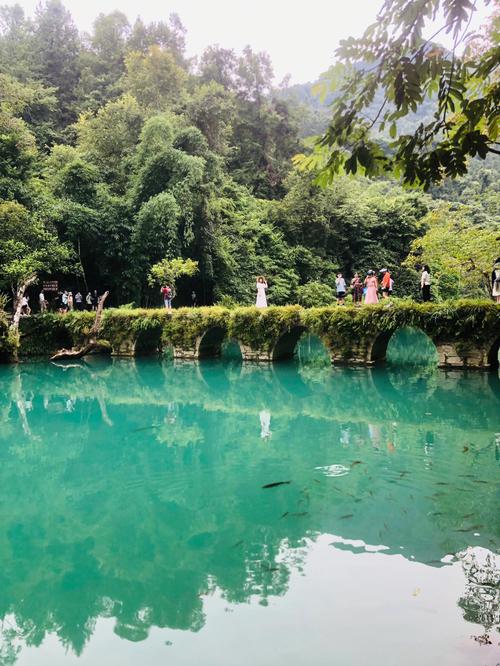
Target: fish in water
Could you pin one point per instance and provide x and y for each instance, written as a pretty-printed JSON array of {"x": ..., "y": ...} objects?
[
  {"x": 465, "y": 449},
  {"x": 348, "y": 515},
  {"x": 467, "y": 515},
  {"x": 356, "y": 462},
  {"x": 469, "y": 529},
  {"x": 277, "y": 483},
  {"x": 266, "y": 568},
  {"x": 441, "y": 483},
  {"x": 479, "y": 481},
  {"x": 151, "y": 427},
  {"x": 437, "y": 513},
  {"x": 284, "y": 514},
  {"x": 403, "y": 473},
  {"x": 299, "y": 514},
  {"x": 238, "y": 543}
]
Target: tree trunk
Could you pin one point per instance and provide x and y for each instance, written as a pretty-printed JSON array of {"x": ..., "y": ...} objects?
[
  {"x": 18, "y": 293},
  {"x": 91, "y": 342}
]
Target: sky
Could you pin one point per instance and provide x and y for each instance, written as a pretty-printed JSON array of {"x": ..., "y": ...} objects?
[{"x": 301, "y": 38}]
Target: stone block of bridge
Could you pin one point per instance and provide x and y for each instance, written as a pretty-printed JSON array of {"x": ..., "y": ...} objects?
[
  {"x": 352, "y": 353},
  {"x": 186, "y": 353},
  {"x": 124, "y": 347},
  {"x": 452, "y": 354},
  {"x": 255, "y": 355}
]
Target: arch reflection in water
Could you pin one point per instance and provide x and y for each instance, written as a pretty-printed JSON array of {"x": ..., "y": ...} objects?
[
  {"x": 411, "y": 346},
  {"x": 147, "y": 495}
]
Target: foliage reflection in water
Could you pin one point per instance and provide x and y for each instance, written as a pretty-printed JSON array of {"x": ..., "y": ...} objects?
[{"x": 132, "y": 494}]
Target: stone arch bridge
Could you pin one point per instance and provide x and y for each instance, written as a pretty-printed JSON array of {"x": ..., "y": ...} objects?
[{"x": 466, "y": 333}]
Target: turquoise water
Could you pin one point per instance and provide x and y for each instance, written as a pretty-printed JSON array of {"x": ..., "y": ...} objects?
[{"x": 136, "y": 528}]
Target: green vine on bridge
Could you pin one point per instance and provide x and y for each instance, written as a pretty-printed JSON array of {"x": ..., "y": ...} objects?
[{"x": 464, "y": 322}]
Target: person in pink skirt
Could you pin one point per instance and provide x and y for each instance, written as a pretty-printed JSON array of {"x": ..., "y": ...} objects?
[{"x": 371, "y": 285}]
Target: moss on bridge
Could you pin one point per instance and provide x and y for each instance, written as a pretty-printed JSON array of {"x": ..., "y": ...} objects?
[{"x": 464, "y": 332}]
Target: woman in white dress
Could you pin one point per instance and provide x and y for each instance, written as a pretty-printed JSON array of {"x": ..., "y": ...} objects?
[{"x": 261, "y": 301}]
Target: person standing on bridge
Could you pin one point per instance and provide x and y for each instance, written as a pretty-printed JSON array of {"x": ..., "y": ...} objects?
[
  {"x": 495, "y": 281},
  {"x": 371, "y": 284},
  {"x": 261, "y": 301},
  {"x": 166, "y": 292},
  {"x": 425, "y": 283},
  {"x": 386, "y": 283},
  {"x": 357, "y": 289},
  {"x": 341, "y": 288},
  {"x": 79, "y": 300}
]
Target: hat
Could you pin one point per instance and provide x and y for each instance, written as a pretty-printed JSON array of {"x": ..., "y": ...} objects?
[
  {"x": 371, "y": 272},
  {"x": 383, "y": 270}
]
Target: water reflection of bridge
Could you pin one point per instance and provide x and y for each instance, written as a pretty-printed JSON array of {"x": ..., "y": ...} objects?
[{"x": 374, "y": 395}]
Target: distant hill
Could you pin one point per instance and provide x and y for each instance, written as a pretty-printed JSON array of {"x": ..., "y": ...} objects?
[{"x": 314, "y": 113}]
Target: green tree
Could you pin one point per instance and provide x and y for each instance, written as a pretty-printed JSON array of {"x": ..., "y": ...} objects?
[
  {"x": 16, "y": 42},
  {"x": 57, "y": 45},
  {"x": 351, "y": 225},
  {"x": 33, "y": 103},
  {"x": 155, "y": 79},
  {"x": 108, "y": 139},
  {"x": 459, "y": 254},
  {"x": 157, "y": 231},
  {"x": 394, "y": 58},
  {"x": 168, "y": 271},
  {"x": 219, "y": 65},
  {"x": 315, "y": 295},
  {"x": 264, "y": 139},
  {"x": 18, "y": 157},
  {"x": 102, "y": 62},
  {"x": 170, "y": 36},
  {"x": 212, "y": 109},
  {"x": 27, "y": 249}
]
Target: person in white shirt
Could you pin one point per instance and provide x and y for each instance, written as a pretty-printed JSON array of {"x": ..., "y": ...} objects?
[
  {"x": 25, "y": 307},
  {"x": 340, "y": 283},
  {"x": 425, "y": 283},
  {"x": 42, "y": 302}
]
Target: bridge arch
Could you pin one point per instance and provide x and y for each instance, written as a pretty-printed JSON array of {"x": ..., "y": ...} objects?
[
  {"x": 231, "y": 350},
  {"x": 311, "y": 349},
  {"x": 284, "y": 347},
  {"x": 148, "y": 341},
  {"x": 209, "y": 343},
  {"x": 493, "y": 360},
  {"x": 406, "y": 345},
  {"x": 213, "y": 341}
]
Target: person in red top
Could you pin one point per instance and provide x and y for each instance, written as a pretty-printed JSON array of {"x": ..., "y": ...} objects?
[
  {"x": 386, "y": 283},
  {"x": 166, "y": 293}
]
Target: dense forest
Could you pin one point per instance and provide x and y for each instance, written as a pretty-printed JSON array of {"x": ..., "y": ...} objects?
[{"x": 117, "y": 151}]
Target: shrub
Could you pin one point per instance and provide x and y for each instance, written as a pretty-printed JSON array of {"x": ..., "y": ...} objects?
[{"x": 315, "y": 295}]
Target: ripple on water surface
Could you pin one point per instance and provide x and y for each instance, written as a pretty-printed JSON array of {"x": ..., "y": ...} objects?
[{"x": 219, "y": 513}]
